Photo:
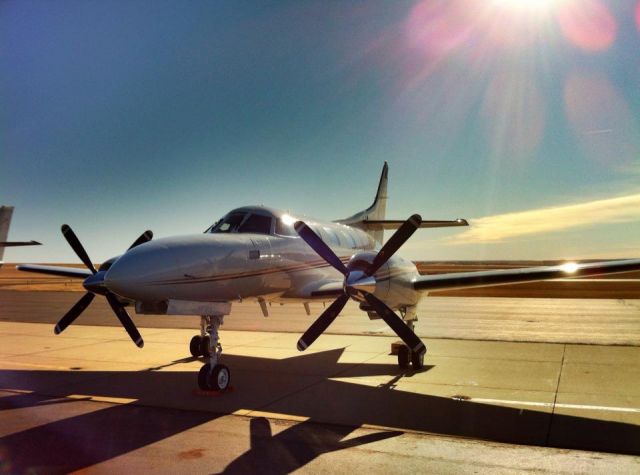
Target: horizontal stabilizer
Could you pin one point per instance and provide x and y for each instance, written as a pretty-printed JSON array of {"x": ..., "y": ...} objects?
[
  {"x": 396, "y": 223},
  {"x": 463, "y": 280},
  {"x": 55, "y": 270}
]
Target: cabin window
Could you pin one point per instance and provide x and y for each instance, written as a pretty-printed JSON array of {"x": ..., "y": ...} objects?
[
  {"x": 256, "y": 224},
  {"x": 351, "y": 242},
  {"x": 333, "y": 237}
]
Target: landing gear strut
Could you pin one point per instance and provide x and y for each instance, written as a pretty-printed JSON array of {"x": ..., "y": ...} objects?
[{"x": 212, "y": 376}]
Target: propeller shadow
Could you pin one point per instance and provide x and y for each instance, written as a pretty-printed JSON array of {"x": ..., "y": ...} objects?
[{"x": 295, "y": 447}]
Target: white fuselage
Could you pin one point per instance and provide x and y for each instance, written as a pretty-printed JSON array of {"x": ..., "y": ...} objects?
[{"x": 226, "y": 267}]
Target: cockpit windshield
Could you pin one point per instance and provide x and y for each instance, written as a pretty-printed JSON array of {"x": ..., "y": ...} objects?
[
  {"x": 243, "y": 222},
  {"x": 257, "y": 224},
  {"x": 228, "y": 224}
]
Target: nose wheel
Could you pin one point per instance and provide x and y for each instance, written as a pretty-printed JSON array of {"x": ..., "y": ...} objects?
[
  {"x": 216, "y": 378},
  {"x": 212, "y": 376},
  {"x": 199, "y": 346}
]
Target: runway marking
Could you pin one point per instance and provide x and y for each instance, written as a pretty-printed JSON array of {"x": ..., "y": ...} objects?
[
  {"x": 585, "y": 407},
  {"x": 34, "y": 365},
  {"x": 108, "y": 399},
  {"x": 271, "y": 415}
]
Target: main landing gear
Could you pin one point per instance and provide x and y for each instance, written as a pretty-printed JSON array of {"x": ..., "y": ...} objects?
[
  {"x": 407, "y": 357},
  {"x": 212, "y": 376}
]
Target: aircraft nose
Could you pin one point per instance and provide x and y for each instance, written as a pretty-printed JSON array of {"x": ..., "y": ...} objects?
[{"x": 134, "y": 272}]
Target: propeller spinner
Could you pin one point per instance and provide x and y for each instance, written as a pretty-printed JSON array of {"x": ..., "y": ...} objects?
[
  {"x": 94, "y": 284},
  {"x": 360, "y": 285}
]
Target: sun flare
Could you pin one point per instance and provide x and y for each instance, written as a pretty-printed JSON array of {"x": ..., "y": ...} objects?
[{"x": 528, "y": 5}]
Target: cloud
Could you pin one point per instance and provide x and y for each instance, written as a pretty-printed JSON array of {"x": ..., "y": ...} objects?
[{"x": 503, "y": 227}]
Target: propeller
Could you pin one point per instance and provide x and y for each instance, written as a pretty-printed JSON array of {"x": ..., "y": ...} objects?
[
  {"x": 95, "y": 285},
  {"x": 360, "y": 284}
]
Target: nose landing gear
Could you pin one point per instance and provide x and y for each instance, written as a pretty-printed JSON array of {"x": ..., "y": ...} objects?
[{"x": 212, "y": 376}]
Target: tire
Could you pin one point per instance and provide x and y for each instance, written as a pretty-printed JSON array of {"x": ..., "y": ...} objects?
[
  {"x": 204, "y": 378},
  {"x": 403, "y": 357},
  {"x": 194, "y": 346},
  {"x": 204, "y": 346},
  {"x": 220, "y": 378},
  {"x": 417, "y": 360}
]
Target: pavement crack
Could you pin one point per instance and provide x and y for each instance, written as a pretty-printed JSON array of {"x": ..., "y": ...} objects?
[{"x": 555, "y": 397}]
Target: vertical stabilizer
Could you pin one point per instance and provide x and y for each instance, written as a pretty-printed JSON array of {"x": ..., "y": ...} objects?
[
  {"x": 376, "y": 212},
  {"x": 5, "y": 220}
]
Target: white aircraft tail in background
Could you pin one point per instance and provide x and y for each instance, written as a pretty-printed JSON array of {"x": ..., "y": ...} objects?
[{"x": 5, "y": 220}]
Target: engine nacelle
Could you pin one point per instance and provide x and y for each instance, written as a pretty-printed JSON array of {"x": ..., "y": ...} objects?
[{"x": 394, "y": 280}]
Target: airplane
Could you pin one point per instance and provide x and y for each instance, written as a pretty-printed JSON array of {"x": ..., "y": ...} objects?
[
  {"x": 265, "y": 255},
  {"x": 5, "y": 220}
]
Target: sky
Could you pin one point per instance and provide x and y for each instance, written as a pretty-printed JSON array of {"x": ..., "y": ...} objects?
[{"x": 520, "y": 115}]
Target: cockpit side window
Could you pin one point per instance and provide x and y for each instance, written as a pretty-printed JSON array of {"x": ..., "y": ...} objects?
[
  {"x": 229, "y": 223},
  {"x": 256, "y": 223}
]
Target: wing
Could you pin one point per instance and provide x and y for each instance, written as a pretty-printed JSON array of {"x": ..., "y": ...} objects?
[
  {"x": 55, "y": 270},
  {"x": 452, "y": 281},
  {"x": 316, "y": 290},
  {"x": 19, "y": 243}
]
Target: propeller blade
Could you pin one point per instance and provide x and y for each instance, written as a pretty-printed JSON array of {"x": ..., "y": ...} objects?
[
  {"x": 323, "y": 321},
  {"x": 318, "y": 245},
  {"x": 397, "y": 325},
  {"x": 144, "y": 237},
  {"x": 74, "y": 313},
  {"x": 125, "y": 319},
  {"x": 403, "y": 233},
  {"x": 73, "y": 241}
]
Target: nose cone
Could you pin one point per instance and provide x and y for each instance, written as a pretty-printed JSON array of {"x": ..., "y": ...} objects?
[{"x": 135, "y": 273}]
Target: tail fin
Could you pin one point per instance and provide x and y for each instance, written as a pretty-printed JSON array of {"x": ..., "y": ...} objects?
[
  {"x": 5, "y": 220},
  {"x": 373, "y": 219},
  {"x": 376, "y": 212}
]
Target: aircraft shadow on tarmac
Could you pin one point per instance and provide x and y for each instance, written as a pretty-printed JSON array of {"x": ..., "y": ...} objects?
[{"x": 165, "y": 407}]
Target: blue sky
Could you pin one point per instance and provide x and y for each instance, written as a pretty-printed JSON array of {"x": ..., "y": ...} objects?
[{"x": 521, "y": 116}]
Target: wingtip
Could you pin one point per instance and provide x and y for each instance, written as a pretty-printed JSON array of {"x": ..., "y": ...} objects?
[
  {"x": 57, "y": 330},
  {"x": 139, "y": 343},
  {"x": 302, "y": 345}
]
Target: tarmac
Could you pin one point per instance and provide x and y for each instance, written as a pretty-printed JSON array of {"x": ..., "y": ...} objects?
[{"x": 88, "y": 399}]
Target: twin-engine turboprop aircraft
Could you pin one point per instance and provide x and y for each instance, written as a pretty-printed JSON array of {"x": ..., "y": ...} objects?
[{"x": 266, "y": 255}]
